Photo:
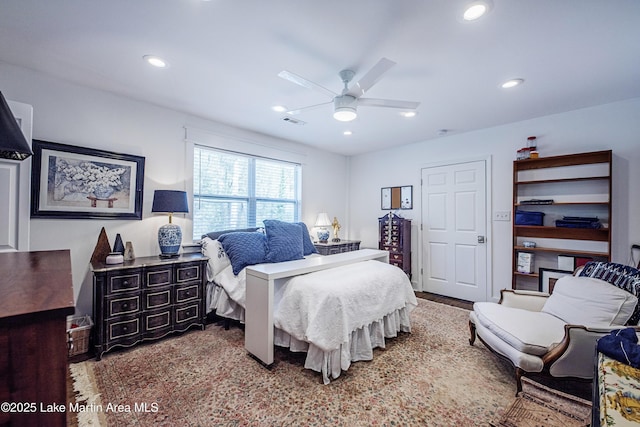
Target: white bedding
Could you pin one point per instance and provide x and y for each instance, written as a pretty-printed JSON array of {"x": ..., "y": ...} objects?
[{"x": 337, "y": 315}]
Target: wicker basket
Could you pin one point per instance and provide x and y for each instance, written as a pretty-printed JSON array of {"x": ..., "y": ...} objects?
[{"x": 78, "y": 336}]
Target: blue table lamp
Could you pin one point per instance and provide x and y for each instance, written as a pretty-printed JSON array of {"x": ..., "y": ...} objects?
[{"x": 170, "y": 235}]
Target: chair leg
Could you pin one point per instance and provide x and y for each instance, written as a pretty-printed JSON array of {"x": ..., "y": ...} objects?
[
  {"x": 472, "y": 331},
  {"x": 227, "y": 323},
  {"x": 519, "y": 373}
]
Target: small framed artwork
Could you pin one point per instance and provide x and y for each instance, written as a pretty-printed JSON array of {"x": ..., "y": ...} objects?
[
  {"x": 396, "y": 197},
  {"x": 385, "y": 198},
  {"x": 77, "y": 182},
  {"x": 406, "y": 196},
  {"x": 547, "y": 278}
]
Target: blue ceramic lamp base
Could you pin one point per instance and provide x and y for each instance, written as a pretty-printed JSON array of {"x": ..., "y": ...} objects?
[{"x": 169, "y": 239}]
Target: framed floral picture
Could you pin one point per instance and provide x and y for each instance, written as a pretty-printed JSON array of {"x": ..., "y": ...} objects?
[{"x": 77, "y": 182}]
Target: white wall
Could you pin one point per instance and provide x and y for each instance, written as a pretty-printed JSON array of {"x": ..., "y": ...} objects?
[
  {"x": 613, "y": 126},
  {"x": 348, "y": 188},
  {"x": 75, "y": 115}
]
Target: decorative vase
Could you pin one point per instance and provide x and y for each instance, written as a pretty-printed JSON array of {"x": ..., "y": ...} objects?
[
  {"x": 128, "y": 252},
  {"x": 103, "y": 191},
  {"x": 323, "y": 235},
  {"x": 118, "y": 246},
  {"x": 169, "y": 239}
]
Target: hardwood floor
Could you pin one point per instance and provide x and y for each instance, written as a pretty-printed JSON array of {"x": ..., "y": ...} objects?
[{"x": 446, "y": 300}]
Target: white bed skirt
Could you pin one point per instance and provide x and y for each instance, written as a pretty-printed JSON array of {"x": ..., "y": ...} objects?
[
  {"x": 360, "y": 345},
  {"x": 329, "y": 363}
]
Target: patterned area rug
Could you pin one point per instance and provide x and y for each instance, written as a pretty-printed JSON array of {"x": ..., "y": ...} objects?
[
  {"x": 430, "y": 377},
  {"x": 537, "y": 405}
]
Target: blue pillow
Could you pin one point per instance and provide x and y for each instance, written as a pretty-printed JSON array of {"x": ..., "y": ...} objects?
[
  {"x": 244, "y": 248},
  {"x": 307, "y": 245},
  {"x": 284, "y": 241}
]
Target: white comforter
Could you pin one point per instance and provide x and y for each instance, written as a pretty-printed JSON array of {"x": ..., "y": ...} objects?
[
  {"x": 337, "y": 316},
  {"x": 324, "y": 307}
]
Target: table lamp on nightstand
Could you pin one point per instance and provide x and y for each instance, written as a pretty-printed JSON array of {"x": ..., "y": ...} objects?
[
  {"x": 322, "y": 222},
  {"x": 170, "y": 235}
]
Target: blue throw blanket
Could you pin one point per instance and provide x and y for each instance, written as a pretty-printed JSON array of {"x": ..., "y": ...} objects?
[{"x": 621, "y": 345}]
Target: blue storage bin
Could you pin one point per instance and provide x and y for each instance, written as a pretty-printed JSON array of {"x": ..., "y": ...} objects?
[{"x": 529, "y": 218}]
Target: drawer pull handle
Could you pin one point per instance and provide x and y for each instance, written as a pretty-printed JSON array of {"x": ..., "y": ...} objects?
[
  {"x": 125, "y": 282},
  {"x": 125, "y": 328},
  {"x": 125, "y": 306}
]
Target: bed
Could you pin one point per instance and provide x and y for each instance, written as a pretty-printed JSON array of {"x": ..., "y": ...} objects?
[{"x": 336, "y": 308}]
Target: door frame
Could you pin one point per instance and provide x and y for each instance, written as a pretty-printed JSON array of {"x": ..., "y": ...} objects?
[{"x": 488, "y": 219}]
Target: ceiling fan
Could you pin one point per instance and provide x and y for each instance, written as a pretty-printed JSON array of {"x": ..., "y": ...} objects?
[{"x": 345, "y": 104}]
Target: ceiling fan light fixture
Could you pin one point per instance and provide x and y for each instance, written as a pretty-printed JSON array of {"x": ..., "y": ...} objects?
[
  {"x": 344, "y": 108},
  {"x": 345, "y": 114}
]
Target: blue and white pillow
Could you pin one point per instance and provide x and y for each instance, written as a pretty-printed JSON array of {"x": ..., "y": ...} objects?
[
  {"x": 244, "y": 248},
  {"x": 284, "y": 241},
  {"x": 218, "y": 259}
]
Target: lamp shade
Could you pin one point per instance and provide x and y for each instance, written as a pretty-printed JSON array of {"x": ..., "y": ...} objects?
[
  {"x": 170, "y": 235},
  {"x": 323, "y": 220},
  {"x": 13, "y": 144},
  {"x": 171, "y": 201}
]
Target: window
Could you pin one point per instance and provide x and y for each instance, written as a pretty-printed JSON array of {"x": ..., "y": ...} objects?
[{"x": 232, "y": 190}]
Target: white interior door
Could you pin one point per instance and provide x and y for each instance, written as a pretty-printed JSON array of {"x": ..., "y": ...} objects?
[
  {"x": 454, "y": 250},
  {"x": 15, "y": 184}
]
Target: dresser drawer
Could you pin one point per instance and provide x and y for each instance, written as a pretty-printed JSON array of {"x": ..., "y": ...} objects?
[
  {"x": 128, "y": 280},
  {"x": 395, "y": 258},
  {"x": 186, "y": 314},
  {"x": 187, "y": 292},
  {"x": 157, "y": 323},
  {"x": 157, "y": 298},
  {"x": 155, "y": 277},
  {"x": 119, "y": 329},
  {"x": 188, "y": 272},
  {"x": 122, "y": 305}
]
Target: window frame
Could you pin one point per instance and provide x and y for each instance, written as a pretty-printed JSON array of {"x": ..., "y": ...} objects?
[{"x": 251, "y": 199}]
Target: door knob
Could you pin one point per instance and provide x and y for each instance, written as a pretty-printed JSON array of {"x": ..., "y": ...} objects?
[{"x": 480, "y": 239}]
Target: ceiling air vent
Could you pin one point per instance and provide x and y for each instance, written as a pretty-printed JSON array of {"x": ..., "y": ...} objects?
[{"x": 294, "y": 121}]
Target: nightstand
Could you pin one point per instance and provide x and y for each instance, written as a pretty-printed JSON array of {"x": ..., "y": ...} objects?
[
  {"x": 337, "y": 247},
  {"x": 147, "y": 299}
]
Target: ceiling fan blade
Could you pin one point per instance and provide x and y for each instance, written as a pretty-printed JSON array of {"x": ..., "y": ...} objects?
[
  {"x": 310, "y": 107},
  {"x": 299, "y": 80},
  {"x": 389, "y": 103},
  {"x": 371, "y": 78}
]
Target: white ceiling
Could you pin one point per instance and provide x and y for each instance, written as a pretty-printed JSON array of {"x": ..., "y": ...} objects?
[{"x": 225, "y": 56}]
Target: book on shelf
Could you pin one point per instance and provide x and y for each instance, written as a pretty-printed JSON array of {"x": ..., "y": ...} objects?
[{"x": 525, "y": 262}]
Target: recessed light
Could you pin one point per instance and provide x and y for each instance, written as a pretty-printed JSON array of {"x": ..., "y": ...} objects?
[
  {"x": 476, "y": 10},
  {"x": 512, "y": 83},
  {"x": 156, "y": 61},
  {"x": 279, "y": 108},
  {"x": 408, "y": 114},
  {"x": 347, "y": 132}
]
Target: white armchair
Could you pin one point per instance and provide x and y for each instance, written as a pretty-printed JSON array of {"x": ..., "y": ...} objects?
[{"x": 552, "y": 334}]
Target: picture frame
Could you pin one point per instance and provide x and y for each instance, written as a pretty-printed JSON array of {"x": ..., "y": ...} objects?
[
  {"x": 406, "y": 197},
  {"x": 70, "y": 182},
  {"x": 396, "y": 197},
  {"x": 385, "y": 198},
  {"x": 547, "y": 278}
]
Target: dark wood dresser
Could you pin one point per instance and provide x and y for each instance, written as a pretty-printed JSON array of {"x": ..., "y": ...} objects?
[
  {"x": 36, "y": 297},
  {"x": 330, "y": 248},
  {"x": 146, "y": 299},
  {"x": 394, "y": 233}
]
